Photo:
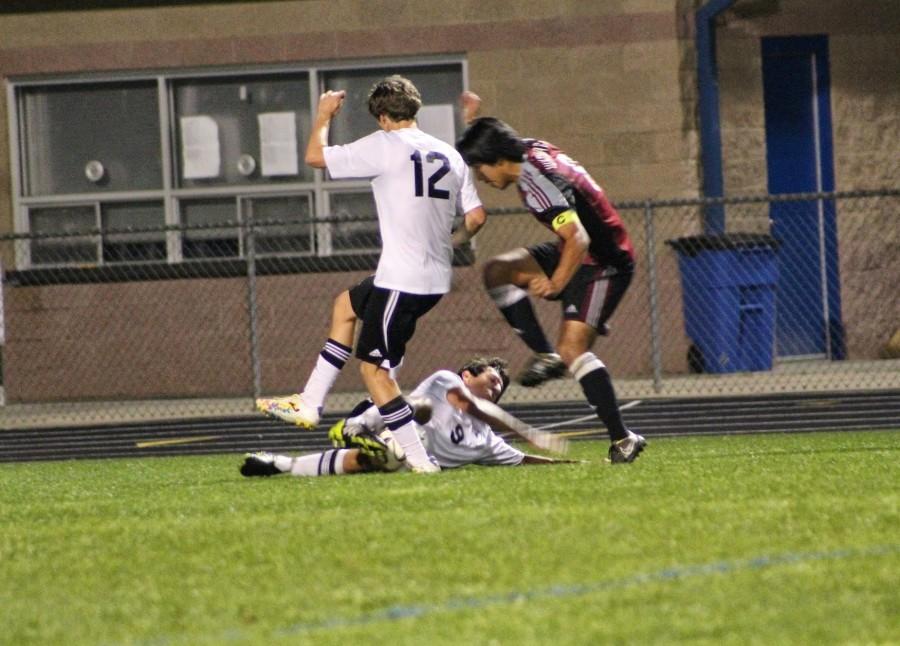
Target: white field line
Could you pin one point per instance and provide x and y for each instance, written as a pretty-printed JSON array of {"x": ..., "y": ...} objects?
[{"x": 586, "y": 417}]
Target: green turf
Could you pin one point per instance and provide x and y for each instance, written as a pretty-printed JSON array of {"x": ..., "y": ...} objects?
[{"x": 750, "y": 539}]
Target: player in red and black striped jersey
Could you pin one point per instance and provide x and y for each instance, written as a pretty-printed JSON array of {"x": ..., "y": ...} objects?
[
  {"x": 551, "y": 184},
  {"x": 588, "y": 268}
]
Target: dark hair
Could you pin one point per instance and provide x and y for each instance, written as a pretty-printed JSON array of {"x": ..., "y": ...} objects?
[
  {"x": 488, "y": 140},
  {"x": 479, "y": 364},
  {"x": 395, "y": 97}
]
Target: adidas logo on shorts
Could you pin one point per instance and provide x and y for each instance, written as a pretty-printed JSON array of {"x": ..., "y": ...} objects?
[{"x": 375, "y": 353}]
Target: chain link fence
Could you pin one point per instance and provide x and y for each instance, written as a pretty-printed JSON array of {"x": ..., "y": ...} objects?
[{"x": 754, "y": 295}]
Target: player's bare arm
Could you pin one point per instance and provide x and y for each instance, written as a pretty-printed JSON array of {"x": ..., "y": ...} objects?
[
  {"x": 575, "y": 243},
  {"x": 329, "y": 105},
  {"x": 472, "y": 224},
  {"x": 540, "y": 459},
  {"x": 501, "y": 421}
]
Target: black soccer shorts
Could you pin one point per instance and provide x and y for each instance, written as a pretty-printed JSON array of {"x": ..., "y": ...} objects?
[
  {"x": 388, "y": 321},
  {"x": 594, "y": 291}
]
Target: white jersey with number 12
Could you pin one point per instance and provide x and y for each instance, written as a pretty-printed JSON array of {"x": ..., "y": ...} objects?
[{"x": 420, "y": 183}]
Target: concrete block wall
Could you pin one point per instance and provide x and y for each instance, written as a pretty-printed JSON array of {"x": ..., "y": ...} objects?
[
  {"x": 611, "y": 82},
  {"x": 126, "y": 340},
  {"x": 604, "y": 80},
  {"x": 601, "y": 79},
  {"x": 863, "y": 41}
]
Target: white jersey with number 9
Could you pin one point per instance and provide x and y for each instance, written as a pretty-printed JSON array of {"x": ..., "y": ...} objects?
[{"x": 455, "y": 438}]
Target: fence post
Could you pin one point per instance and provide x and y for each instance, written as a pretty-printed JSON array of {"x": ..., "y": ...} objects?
[
  {"x": 655, "y": 351},
  {"x": 252, "y": 310}
]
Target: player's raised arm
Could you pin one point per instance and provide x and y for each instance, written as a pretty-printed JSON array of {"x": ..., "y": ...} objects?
[
  {"x": 470, "y": 104},
  {"x": 329, "y": 105}
]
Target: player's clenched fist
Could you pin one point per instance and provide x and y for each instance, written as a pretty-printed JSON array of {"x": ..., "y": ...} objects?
[
  {"x": 470, "y": 103},
  {"x": 330, "y": 102}
]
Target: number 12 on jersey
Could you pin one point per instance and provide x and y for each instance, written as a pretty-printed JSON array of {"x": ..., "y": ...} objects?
[{"x": 434, "y": 178}]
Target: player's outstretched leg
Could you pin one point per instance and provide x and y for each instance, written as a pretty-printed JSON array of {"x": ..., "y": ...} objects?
[
  {"x": 326, "y": 463},
  {"x": 378, "y": 450},
  {"x": 304, "y": 409}
]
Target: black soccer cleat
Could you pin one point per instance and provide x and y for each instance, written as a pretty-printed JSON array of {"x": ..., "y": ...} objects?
[
  {"x": 542, "y": 367},
  {"x": 259, "y": 464},
  {"x": 627, "y": 449}
]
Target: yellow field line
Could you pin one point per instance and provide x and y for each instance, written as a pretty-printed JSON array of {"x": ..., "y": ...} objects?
[
  {"x": 179, "y": 440},
  {"x": 577, "y": 433}
]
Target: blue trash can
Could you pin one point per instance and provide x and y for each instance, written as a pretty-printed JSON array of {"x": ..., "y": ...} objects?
[{"x": 728, "y": 286}]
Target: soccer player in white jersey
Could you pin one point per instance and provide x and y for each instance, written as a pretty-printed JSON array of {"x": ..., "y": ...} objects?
[
  {"x": 458, "y": 432},
  {"x": 418, "y": 182}
]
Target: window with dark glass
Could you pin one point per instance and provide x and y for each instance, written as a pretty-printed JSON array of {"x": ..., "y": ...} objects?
[
  {"x": 89, "y": 138},
  {"x": 241, "y": 130},
  {"x": 281, "y": 224},
  {"x": 113, "y": 173}
]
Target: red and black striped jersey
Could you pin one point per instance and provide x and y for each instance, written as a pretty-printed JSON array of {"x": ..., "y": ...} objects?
[{"x": 551, "y": 182}]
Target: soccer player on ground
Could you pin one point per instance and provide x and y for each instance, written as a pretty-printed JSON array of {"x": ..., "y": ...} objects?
[
  {"x": 418, "y": 182},
  {"x": 457, "y": 432},
  {"x": 587, "y": 269}
]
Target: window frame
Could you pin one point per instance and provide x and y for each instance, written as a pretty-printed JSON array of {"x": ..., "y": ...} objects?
[{"x": 171, "y": 194}]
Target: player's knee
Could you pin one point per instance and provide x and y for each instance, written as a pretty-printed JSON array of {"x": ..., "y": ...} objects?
[
  {"x": 374, "y": 374},
  {"x": 368, "y": 372},
  {"x": 342, "y": 308},
  {"x": 575, "y": 339},
  {"x": 495, "y": 272},
  {"x": 567, "y": 355},
  {"x": 570, "y": 352}
]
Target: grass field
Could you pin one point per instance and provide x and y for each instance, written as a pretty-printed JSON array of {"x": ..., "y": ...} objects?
[{"x": 744, "y": 539}]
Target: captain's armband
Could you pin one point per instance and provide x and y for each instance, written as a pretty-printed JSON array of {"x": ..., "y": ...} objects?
[{"x": 564, "y": 218}]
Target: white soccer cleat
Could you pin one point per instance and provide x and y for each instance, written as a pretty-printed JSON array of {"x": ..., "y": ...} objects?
[
  {"x": 291, "y": 409},
  {"x": 429, "y": 466}
]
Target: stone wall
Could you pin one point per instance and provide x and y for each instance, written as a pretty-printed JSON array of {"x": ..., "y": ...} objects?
[
  {"x": 863, "y": 41},
  {"x": 613, "y": 83},
  {"x": 604, "y": 80},
  {"x": 601, "y": 79}
]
